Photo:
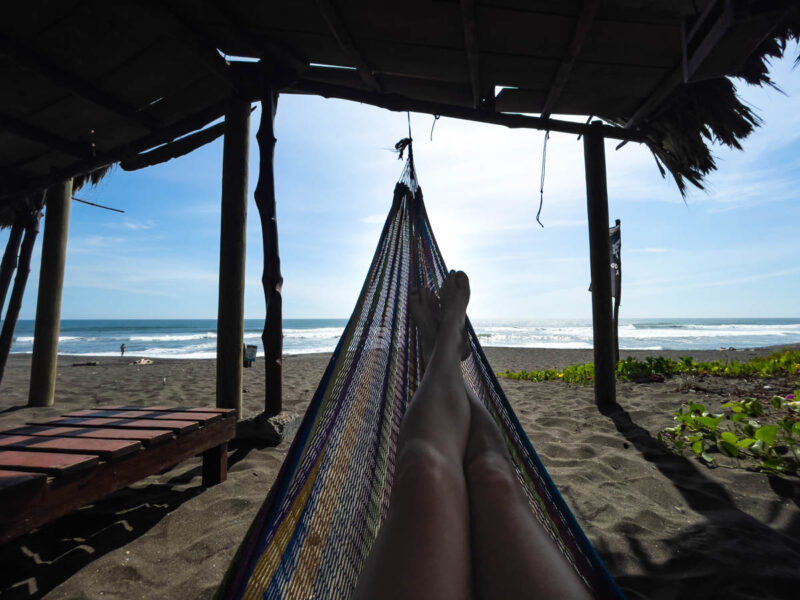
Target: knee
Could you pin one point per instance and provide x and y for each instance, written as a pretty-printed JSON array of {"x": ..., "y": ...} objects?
[
  {"x": 420, "y": 463},
  {"x": 493, "y": 471}
]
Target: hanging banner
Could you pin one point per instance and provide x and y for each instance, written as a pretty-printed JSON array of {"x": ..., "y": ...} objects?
[
  {"x": 615, "y": 256},
  {"x": 615, "y": 244}
]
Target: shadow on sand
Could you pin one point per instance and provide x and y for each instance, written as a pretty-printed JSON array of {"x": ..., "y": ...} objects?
[
  {"x": 705, "y": 560},
  {"x": 35, "y": 563}
]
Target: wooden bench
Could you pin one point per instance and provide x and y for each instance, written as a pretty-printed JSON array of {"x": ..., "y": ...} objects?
[{"x": 51, "y": 468}]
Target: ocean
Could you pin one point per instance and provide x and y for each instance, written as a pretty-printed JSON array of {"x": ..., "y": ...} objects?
[{"x": 197, "y": 338}]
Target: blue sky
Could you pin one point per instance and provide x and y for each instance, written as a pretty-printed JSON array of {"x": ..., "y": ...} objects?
[{"x": 731, "y": 251}]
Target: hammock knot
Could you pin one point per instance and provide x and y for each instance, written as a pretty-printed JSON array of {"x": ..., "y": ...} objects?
[{"x": 401, "y": 146}]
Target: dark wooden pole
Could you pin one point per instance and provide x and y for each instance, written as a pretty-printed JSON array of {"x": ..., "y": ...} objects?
[
  {"x": 271, "y": 278},
  {"x": 602, "y": 325},
  {"x": 9, "y": 262},
  {"x": 617, "y": 295},
  {"x": 233, "y": 231},
  {"x": 48, "y": 306},
  {"x": 23, "y": 269}
]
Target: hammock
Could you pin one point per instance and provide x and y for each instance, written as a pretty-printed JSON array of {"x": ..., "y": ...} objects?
[{"x": 314, "y": 532}]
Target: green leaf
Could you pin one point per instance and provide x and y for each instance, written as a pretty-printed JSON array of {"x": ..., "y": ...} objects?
[
  {"x": 697, "y": 447},
  {"x": 774, "y": 465},
  {"x": 796, "y": 428},
  {"x": 728, "y": 448},
  {"x": 745, "y": 443},
  {"x": 708, "y": 422},
  {"x": 767, "y": 434},
  {"x": 777, "y": 401},
  {"x": 729, "y": 437},
  {"x": 709, "y": 459},
  {"x": 738, "y": 417},
  {"x": 697, "y": 407}
]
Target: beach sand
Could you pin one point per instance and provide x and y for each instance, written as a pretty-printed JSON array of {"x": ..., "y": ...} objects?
[{"x": 666, "y": 526}]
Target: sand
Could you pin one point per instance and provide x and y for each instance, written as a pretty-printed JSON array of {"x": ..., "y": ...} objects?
[{"x": 666, "y": 526}]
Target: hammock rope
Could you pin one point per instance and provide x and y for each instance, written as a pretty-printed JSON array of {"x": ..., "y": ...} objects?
[{"x": 315, "y": 530}]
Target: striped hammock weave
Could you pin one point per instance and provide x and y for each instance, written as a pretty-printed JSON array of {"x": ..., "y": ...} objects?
[{"x": 316, "y": 528}]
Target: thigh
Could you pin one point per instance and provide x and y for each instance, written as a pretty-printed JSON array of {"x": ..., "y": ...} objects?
[
  {"x": 513, "y": 556},
  {"x": 422, "y": 550}
]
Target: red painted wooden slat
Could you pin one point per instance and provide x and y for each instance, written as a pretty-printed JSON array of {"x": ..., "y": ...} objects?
[
  {"x": 18, "y": 481},
  {"x": 147, "y": 436},
  {"x": 177, "y": 426},
  {"x": 53, "y": 463},
  {"x": 210, "y": 409},
  {"x": 203, "y": 417},
  {"x": 107, "y": 449}
]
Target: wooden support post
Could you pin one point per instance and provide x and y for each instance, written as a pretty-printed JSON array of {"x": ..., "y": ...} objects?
[
  {"x": 9, "y": 263},
  {"x": 48, "y": 305},
  {"x": 215, "y": 465},
  {"x": 271, "y": 278},
  {"x": 232, "y": 244},
  {"x": 31, "y": 226},
  {"x": 602, "y": 325}
]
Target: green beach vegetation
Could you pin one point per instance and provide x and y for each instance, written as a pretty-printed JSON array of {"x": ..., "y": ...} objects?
[
  {"x": 762, "y": 435},
  {"x": 785, "y": 363},
  {"x": 765, "y": 437}
]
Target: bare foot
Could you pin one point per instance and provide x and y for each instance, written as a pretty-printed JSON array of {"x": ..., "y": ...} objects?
[
  {"x": 454, "y": 299},
  {"x": 424, "y": 307}
]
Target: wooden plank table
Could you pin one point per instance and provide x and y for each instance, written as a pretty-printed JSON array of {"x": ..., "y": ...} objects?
[{"x": 51, "y": 468}]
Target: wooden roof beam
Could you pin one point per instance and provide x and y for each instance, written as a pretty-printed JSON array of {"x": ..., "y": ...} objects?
[
  {"x": 29, "y": 59},
  {"x": 582, "y": 27},
  {"x": 202, "y": 49},
  {"x": 51, "y": 140},
  {"x": 277, "y": 52},
  {"x": 184, "y": 126},
  {"x": 691, "y": 59},
  {"x": 346, "y": 43},
  {"x": 397, "y": 102},
  {"x": 472, "y": 51}
]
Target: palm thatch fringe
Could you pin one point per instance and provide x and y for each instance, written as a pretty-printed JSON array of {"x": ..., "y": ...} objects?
[
  {"x": 14, "y": 210},
  {"x": 700, "y": 114}
]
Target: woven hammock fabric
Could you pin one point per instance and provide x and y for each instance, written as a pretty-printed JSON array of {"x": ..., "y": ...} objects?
[{"x": 316, "y": 528}]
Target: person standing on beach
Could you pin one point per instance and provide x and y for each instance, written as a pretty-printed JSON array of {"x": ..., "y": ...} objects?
[{"x": 122, "y": 350}]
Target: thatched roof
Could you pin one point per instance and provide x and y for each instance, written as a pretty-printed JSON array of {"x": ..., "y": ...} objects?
[{"x": 87, "y": 83}]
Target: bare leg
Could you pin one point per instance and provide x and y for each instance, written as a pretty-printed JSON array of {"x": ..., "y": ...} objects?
[
  {"x": 423, "y": 550},
  {"x": 513, "y": 556}
]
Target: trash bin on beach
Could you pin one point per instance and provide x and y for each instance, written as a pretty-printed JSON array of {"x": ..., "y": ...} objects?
[{"x": 249, "y": 355}]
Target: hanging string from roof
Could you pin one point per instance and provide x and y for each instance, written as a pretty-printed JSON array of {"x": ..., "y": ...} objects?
[
  {"x": 541, "y": 182},
  {"x": 435, "y": 118}
]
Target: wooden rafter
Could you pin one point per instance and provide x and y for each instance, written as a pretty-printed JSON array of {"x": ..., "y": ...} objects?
[
  {"x": 174, "y": 149},
  {"x": 696, "y": 51},
  {"x": 41, "y": 136},
  {"x": 224, "y": 12},
  {"x": 337, "y": 27},
  {"x": 690, "y": 62},
  {"x": 200, "y": 47},
  {"x": 582, "y": 28},
  {"x": 184, "y": 126},
  {"x": 471, "y": 48},
  {"x": 401, "y": 103},
  {"x": 29, "y": 59}
]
